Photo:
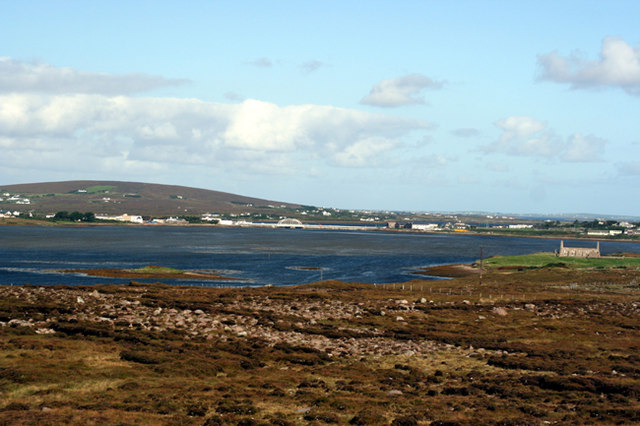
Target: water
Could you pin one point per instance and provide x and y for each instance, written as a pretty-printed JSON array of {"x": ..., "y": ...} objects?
[{"x": 256, "y": 256}]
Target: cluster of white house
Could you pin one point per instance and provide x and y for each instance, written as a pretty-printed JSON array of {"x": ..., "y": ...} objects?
[
  {"x": 9, "y": 213},
  {"x": 121, "y": 218},
  {"x": 15, "y": 199},
  {"x": 458, "y": 226}
]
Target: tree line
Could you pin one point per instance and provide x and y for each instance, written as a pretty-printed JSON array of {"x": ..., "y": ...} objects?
[{"x": 75, "y": 216}]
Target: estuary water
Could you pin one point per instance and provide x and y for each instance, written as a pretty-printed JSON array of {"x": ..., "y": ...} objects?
[{"x": 256, "y": 256}]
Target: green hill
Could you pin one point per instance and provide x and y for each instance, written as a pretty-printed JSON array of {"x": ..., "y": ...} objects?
[{"x": 113, "y": 197}]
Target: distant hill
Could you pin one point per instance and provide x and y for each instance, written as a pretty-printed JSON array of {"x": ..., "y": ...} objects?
[{"x": 111, "y": 197}]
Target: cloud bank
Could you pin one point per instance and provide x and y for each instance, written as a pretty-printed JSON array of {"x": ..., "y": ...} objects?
[
  {"x": 252, "y": 135},
  {"x": 18, "y": 76},
  {"x": 95, "y": 124},
  {"x": 617, "y": 66},
  {"x": 526, "y": 136},
  {"x": 400, "y": 91}
]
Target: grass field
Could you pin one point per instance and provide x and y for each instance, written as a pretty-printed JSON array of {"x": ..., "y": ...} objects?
[
  {"x": 540, "y": 260},
  {"x": 100, "y": 188}
]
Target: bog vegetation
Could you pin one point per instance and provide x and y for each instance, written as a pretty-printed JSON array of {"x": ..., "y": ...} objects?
[{"x": 553, "y": 344}]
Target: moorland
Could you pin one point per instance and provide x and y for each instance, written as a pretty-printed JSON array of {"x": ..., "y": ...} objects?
[{"x": 525, "y": 343}]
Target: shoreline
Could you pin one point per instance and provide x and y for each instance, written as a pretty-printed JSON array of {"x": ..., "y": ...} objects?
[
  {"x": 123, "y": 273},
  {"x": 347, "y": 227},
  {"x": 453, "y": 270}
]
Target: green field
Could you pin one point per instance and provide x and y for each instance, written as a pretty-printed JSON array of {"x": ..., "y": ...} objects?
[
  {"x": 100, "y": 188},
  {"x": 540, "y": 260}
]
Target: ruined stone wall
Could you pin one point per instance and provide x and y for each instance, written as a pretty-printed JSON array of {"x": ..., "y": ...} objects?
[{"x": 579, "y": 252}]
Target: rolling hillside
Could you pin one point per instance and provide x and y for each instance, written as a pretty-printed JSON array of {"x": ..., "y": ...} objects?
[{"x": 113, "y": 197}]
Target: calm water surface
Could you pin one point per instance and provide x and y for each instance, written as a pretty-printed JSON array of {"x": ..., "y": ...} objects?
[{"x": 257, "y": 256}]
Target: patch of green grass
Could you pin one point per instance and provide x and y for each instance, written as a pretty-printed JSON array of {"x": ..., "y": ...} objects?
[
  {"x": 540, "y": 260},
  {"x": 100, "y": 188},
  {"x": 50, "y": 194}
]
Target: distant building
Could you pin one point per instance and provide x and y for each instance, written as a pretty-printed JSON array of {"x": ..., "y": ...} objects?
[
  {"x": 425, "y": 226},
  {"x": 122, "y": 218},
  {"x": 520, "y": 226},
  {"x": 578, "y": 251},
  {"x": 604, "y": 232}
]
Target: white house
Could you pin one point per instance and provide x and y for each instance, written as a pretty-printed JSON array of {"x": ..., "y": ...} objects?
[{"x": 424, "y": 226}]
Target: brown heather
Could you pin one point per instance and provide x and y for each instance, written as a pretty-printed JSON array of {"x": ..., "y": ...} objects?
[{"x": 537, "y": 346}]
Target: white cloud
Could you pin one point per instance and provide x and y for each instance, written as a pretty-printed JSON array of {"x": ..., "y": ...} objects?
[
  {"x": 252, "y": 135},
  {"x": 400, "y": 91},
  {"x": 522, "y": 135},
  {"x": 311, "y": 66},
  {"x": 233, "y": 96},
  {"x": 525, "y": 136},
  {"x": 497, "y": 167},
  {"x": 19, "y": 77},
  {"x": 88, "y": 129},
  {"x": 581, "y": 148},
  {"x": 617, "y": 66},
  {"x": 631, "y": 168},
  {"x": 261, "y": 62},
  {"x": 364, "y": 152},
  {"x": 466, "y": 133}
]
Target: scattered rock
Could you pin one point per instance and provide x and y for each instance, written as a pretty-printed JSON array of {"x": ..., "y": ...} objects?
[
  {"x": 19, "y": 323},
  {"x": 530, "y": 307},
  {"x": 394, "y": 392},
  {"x": 80, "y": 300},
  {"x": 399, "y": 318},
  {"x": 499, "y": 311}
]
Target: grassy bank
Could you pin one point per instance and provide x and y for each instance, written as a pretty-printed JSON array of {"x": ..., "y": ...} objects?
[{"x": 539, "y": 260}]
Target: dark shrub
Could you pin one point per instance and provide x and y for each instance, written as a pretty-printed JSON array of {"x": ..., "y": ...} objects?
[{"x": 139, "y": 357}]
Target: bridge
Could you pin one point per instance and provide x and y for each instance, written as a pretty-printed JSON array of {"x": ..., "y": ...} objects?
[{"x": 290, "y": 223}]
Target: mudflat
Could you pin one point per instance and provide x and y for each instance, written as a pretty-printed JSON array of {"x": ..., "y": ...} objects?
[
  {"x": 150, "y": 272},
  {"x": 550, "y": 344}
]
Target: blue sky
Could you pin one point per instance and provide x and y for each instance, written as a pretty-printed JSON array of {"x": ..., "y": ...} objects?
[{"x": 523, "y": 107}]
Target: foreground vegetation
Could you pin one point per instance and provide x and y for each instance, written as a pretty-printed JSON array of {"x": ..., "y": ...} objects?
[{"x": 545, "y": 345}]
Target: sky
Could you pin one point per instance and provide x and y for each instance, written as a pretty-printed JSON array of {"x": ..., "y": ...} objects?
[{"x": 497, "y": 106}]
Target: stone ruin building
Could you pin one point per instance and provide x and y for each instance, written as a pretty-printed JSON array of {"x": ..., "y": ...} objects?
[{"x": 578, "y": 251}]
